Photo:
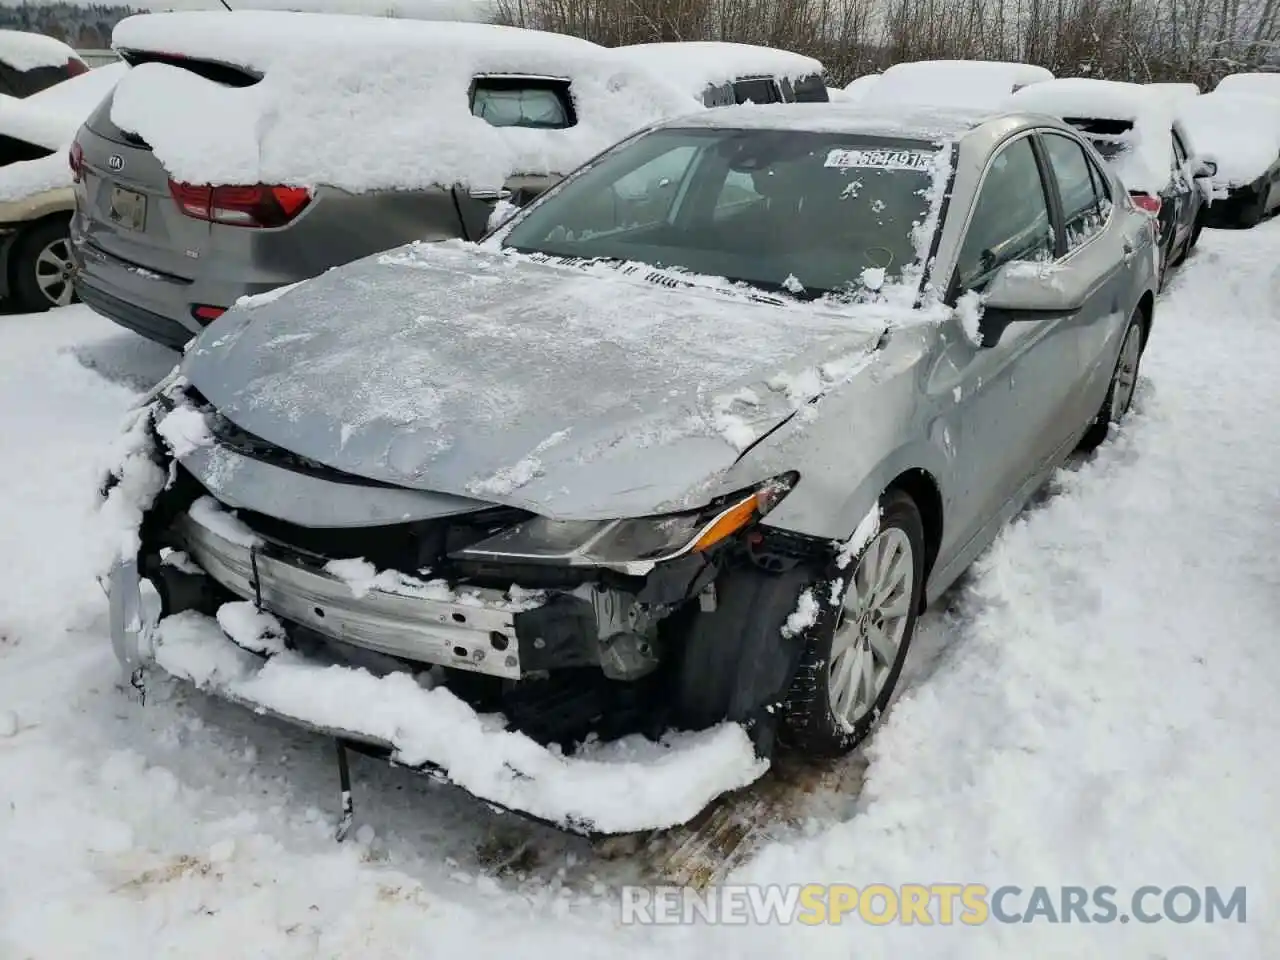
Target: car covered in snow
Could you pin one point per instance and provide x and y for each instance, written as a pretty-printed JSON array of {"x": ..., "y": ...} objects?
[
  {"x": 1138, "y": 131},
  {"x": 692, "y": 457},
  {"x": 1241, "y": 132},
  {"x": 245, "y": 151},
  {"x": 1259, "y": 84},
  {"x": 36, "y": 196},
  {"x": 976, "y": 84},
  {"x": 860, "y": 87},
  {"x": 31, "y": 62},
  {"x": 722, "y": 73}
]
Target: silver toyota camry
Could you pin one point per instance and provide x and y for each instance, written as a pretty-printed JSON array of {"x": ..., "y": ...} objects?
[{"x": 693, "y": 438}]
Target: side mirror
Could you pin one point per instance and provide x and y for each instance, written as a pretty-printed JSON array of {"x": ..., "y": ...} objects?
[
  {"x": 1205, "y": 169},
  {"x": 1023, "y": 291}
]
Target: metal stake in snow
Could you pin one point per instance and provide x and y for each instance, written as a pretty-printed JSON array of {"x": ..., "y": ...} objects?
[{"x": 344, "y": 784}]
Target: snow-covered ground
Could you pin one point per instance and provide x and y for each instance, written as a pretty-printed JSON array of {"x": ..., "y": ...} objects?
[{"x": 1098, "y": 706}]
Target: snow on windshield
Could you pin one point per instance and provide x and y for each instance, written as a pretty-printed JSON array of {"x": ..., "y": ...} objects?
[
  {"x": 783, "y": 210},
  {"x": 368, "y": 104}
]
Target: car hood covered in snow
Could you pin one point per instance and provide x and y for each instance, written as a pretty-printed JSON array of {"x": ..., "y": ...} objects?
[{"x": 583, "y": 391}]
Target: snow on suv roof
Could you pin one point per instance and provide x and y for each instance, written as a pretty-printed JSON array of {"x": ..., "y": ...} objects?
[
  {"x": 972, "y": 83},
  {"x": 1140, "y": 128},
  {"x": 366, "y": 103},
  {"x": 1258, "y": 84},
  {"x": 697, "y": 64},
  {"x": 28, "y": 51}
]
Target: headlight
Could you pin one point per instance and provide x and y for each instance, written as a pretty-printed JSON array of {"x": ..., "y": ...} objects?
[{"x": 630, "y": 546}]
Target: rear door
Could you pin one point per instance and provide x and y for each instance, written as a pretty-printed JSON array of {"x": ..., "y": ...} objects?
[
  {"x": 1088, "y": 212},
  {"x": 1182, "y": 191}
]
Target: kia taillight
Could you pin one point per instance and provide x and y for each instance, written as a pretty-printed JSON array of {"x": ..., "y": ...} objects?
[
  {"x": 1146, "y": 203},
  {"x": 75, "y": 157},
  {"x": 255, "y": 206}
]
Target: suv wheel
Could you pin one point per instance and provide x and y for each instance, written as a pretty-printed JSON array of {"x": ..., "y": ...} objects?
[{"x": 40, "y": 268}]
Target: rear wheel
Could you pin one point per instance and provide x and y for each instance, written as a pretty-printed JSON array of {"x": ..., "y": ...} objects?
[
  {"x": 1124, "y": 381},
  {"x": 1252, "y": 215},
  {"x": 856, "y": 648},
  {"x": 40, "y": 268}
]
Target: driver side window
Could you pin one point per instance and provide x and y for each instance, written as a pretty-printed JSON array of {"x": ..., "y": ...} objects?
[
  {"x": 646, "y": 195},
  {"x": 1010, "y": 218}
]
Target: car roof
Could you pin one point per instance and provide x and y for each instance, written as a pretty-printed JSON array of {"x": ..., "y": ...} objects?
[
  {"x": 909, "y": 123},
  {"x": 699, "y": 63}
]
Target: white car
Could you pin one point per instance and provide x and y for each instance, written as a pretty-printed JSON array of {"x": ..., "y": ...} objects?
[
  {"x": 1242, "y": 134},
  {"x": 31, "y": 62},
  {"x": 1250, "y": 84},
  {"x": 36, "y": 197}
]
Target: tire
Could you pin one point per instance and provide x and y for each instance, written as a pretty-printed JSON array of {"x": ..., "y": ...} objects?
[
  {"x": 817, "y": 720},
  {"x": 42, "y": 252},
  {"x": 1252, "y": 215},
  {"x": 1124, "y": 380},
  {"x": 1195, "y": 235}
]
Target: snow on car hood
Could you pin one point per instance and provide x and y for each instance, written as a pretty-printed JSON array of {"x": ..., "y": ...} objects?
[
  {"x": 1240, "y": 132},
  {"x": 584, "y": 392}
]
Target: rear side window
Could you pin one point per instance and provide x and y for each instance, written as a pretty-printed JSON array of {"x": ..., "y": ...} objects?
[
  {"x": 23, "y": 83},
  {"x": 1084, "y": 209},
  {"x": 523, "y": 102},
  {"x": 759, "y": 90},
  {"x": 1110, "y": 137},
  {"x": 811, "y": 89}
]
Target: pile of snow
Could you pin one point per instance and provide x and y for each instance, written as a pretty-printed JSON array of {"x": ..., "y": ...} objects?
[
  {"x": 859, "y": 89},
  {"x": 1145, "y": 149},
  {"x": 618, "y": 787},
  {"x": 363, "y": 103},
  {"x": 29, "y": 51},
  {"x": 50, "y": 119},
  {"x": 696, "y": 65},
  {"x": 1239, "y": 132},
  {"x": 1255, "y": 84},
  {"x": 981, "y": 84},
  {"x": 1176, "y": 92}
]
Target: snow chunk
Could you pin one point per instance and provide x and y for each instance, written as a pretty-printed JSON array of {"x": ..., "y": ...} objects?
[
  {"x": 803, "y": 617},
  {"x": 361, "y": 577},
  {"x": 969, "y": 313},
  {"x": 617, "y": 787},
  {"x": 249, "y": 627},
  {"x": 185, "y": 430},
  {"x": 369, "y": 103},
  {"x": 507, "y": 480},
  {"x": 866, "y": 529},
  {"x": 136, "y": 479},
  {"x": 694, "y": 65},
  {"x": 211, "y": 515}
]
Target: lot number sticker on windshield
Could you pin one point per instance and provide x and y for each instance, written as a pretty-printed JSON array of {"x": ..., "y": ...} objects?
[{"x": 881, "y": 159}]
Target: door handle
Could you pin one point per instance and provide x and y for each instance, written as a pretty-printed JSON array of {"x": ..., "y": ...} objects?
[
  {"x": 1128, "y": 250},
  {"x": 502, "y": 193}
]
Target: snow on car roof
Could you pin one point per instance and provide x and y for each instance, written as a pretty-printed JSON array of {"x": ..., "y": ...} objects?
[
  {"x": 1239, "y": 132},
  {"x": 27, "y": 51},
  {"x": 697, "y": 64},
  {"x": 1261, "y": 84},
  {"x": 1174, "y": 91},
  {"x": 50, "y": 119},
  {"x": 859, "y": 89},
  {"x": 839, "y": 116},
  {"x": 1144, "y": 161},
  {"x": 364, "y": 103},
  {"x": 973, "y": 83},
  {"x": 256, "y": 39}
]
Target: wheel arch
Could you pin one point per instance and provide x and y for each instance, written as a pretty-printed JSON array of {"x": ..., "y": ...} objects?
[
  {"x": 923, "y": 489},
  {"x": 1147, "y": 307}
]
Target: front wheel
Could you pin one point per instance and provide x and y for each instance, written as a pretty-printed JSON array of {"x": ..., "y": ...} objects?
[
  {"x": 1124, "y": 380},
  {"x": 859, "y": 641}
]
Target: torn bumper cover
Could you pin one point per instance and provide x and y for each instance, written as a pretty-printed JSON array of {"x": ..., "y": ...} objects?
[{"x": 622, "y": 786}]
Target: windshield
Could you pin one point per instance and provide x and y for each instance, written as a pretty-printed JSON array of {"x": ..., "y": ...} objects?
[{"x": 810, "y": 213}]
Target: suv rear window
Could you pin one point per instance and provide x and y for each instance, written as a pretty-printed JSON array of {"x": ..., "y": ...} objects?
[
  {"x": 760, "y": 90},
  {"x": 811, "y": 89},
  {"x": 1109, "y": 137},
  {"x": 523, "y": 102}
]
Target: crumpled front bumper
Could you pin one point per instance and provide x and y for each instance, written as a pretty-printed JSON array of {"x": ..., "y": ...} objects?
[{"x": 129, "y": 631}]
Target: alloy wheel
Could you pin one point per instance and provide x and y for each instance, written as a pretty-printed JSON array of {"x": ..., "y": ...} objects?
[
  {"x": 54, "y": 269},
  {"x": 873, "y": 622},
  {"x": 1126, "y": 379}
]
